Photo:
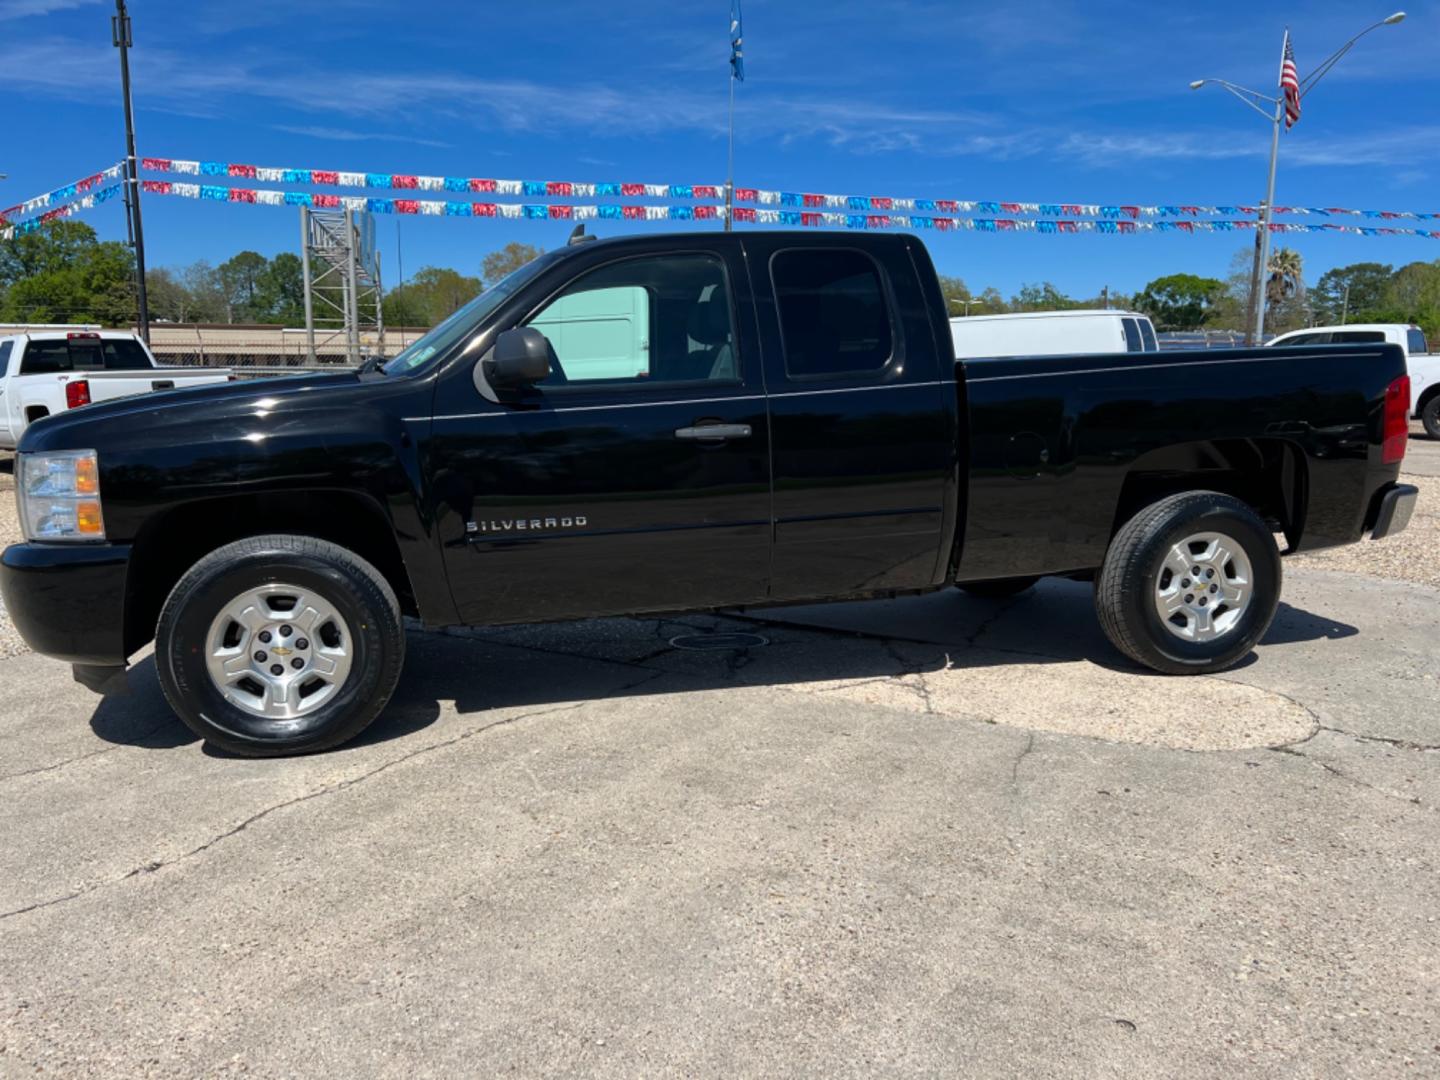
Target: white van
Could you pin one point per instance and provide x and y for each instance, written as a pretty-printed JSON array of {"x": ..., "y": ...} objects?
[
  {"x": 1422, "y": 364},
  {"x": 1049, "y": 333}
]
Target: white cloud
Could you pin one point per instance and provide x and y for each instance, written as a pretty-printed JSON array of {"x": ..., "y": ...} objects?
[
  {"x": 317, "y": 131},
  {"x": 24, "y": 9}
]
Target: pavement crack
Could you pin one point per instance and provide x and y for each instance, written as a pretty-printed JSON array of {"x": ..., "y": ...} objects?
[
  {"x": 1402, "y": 744},
  {"x": 1019, "y": 758},
  {"x": 989, "y": 621},
  {"x": 138, "y": 741},
  {"x": 1340, "y": 774},
  {"x": 329, "y": 789}
]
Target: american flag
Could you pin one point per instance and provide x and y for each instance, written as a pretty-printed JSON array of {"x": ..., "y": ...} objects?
[{"x": 1290, "y": 85}]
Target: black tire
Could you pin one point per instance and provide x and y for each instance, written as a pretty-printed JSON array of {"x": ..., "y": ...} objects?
[
  {"x": 1430, "y": 417},
  {"x": 355, "y": 590},
  {"x": 1124, "y": 588},
  {"x": 998, "y": 587}
]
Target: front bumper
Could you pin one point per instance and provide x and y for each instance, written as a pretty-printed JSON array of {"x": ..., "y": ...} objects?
[
  {"x": 68, "y": 600},
  {"x": 1397, "y": 503}
]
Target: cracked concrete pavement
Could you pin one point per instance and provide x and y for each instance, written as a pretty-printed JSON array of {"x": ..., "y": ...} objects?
[{"x": 929, "y": 835}]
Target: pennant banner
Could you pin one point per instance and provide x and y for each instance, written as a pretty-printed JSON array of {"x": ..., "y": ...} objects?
[
  {"x": 61, "y": 210},
  {"x": 563, "y": 189},
  {"x": 744, "y": 214},
  {"x": 797, "y": 200},
  {"x": 90, "y": 183}
]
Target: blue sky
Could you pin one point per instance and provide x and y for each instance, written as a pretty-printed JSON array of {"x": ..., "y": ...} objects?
[{"x": 1028, "y": 101}]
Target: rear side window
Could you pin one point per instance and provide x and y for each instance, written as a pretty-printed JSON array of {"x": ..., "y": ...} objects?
[
  {"x": 1147, "y": 335},
  {"x": 1357, "y": 337},
  {"x": 1132, "y": 335},
  {"x": 45, "y": 358},
  {"x": 1414, "y": 341},
  {"x": 834, "y": 317},
  {"x": 5, "y": 347},
  {"x": 122, "y": 354}
]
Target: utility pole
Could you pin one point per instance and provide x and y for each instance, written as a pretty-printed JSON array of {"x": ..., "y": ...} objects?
[
  {"x": 1105, "y": 296},
  {"x": 120, "y": 35},
  {"x": 1345, "y": 311}
]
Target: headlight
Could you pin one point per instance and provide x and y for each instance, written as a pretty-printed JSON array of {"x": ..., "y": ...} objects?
[{"x": 59, "y": 495}]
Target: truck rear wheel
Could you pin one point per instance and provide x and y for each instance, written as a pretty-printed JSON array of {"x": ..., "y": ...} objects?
[
  {"x": 1189, "y": 584},
  {"x": 279, "y": 645},
  {"x": 1430, "y": 417}
]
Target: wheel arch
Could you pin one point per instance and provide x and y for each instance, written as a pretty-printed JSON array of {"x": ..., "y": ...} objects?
[
  {"x": 1429, "y": 394},
  {"x": 1268, "y": 475},
  {"x": 172, "y": 542}
]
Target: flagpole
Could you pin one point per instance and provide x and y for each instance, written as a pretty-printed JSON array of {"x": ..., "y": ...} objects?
[
  {"x": 1262, "y": 227},
  {"x": 730, "y": 168}
]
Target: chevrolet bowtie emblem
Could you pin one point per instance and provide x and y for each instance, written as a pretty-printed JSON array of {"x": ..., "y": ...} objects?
[{"x": 280, "y": 650}]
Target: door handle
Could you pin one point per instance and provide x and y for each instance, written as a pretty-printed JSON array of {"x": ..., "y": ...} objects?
[
  {"x": 162, "y": 384},
  {"x": 714, "y": 432}
]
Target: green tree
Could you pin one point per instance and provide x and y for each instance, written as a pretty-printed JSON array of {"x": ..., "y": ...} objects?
[
  {"x": 956, "y": 293},
  {"x": 500, "y": 264},
  {"x": 1043, "y": 297},
  {"x": 240, "y": 277},
  {"x": 204, "y": 297},
  {"x": 1414, "y": 286},
  {"x": 1285, "y": 298},
  {"x": 1180, "y": 301},
  {"x": 430, "y": 296},
  {"x": 62, "y": 273},
  {"x": 1365, "y": 284},
  {"x": 280, "y": 297}
]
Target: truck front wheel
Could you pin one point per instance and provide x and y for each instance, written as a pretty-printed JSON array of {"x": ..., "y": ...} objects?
[
  {"x": 279, "y": 645},
  {"x": 1190, "y": 584}
]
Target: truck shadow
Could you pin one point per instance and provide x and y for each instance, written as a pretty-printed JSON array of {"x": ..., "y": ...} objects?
[{"x": 613, "y": 659}]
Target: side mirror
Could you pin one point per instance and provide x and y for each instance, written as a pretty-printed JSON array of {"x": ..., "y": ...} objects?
[{"x": 521, "y": 358}]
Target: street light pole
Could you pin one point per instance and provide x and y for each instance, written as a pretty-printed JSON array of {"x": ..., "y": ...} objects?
[
  {"x": 120, "y": 33},
  {"x": 1255, "y": 332},
  {"x": 1262, "y": 103}
]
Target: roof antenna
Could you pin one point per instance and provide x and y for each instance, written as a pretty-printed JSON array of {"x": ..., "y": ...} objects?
[{"x": 577, "y": 236}]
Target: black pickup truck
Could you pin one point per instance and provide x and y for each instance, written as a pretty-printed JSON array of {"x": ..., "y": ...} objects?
[{"x": 676, "y": 423}]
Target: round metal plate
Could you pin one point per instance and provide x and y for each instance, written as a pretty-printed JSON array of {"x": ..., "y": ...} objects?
[{"x": 702, "y": 642}]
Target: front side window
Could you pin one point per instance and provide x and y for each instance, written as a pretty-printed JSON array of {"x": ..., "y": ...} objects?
[
  {"x": 5, "y": 347},
  {"x": 465, "y": 320},
  {"x": 1414, "y": 341},
  {"x": 834, "y": 317},
  {"x": 639, "y": 322},
  {"x": 1306, "y": 339},
  {"x": 1132, "y": 335},
  {"x": 1147, "y": 335}
]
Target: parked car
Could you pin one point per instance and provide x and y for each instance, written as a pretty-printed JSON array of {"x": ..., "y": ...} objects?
[
  {"x": 1050, "y": 333},
  {"x": 791, "y": 426},
  {"x": 45, "y": 372},
  {"x": 1423, "y": 365}
]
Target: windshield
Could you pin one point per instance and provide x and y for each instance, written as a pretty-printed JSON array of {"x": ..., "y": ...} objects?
[{"x": 465, "y": 319}]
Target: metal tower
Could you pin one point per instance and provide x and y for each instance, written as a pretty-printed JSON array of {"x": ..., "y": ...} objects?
[{"x": 341, "y": 267}]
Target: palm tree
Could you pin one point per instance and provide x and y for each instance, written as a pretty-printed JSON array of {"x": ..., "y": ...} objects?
[{"x": 1286, "y": 278}]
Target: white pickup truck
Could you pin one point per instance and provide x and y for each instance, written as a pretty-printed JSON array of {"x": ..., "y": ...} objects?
[
  {"x": 46, "y": 371},
  {"x": 1423, "y": 365}
]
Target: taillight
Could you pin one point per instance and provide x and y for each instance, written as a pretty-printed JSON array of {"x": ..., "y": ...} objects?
[
  {"x": 1397, "y": 421},
  {"x": 77, "y": 393}
]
